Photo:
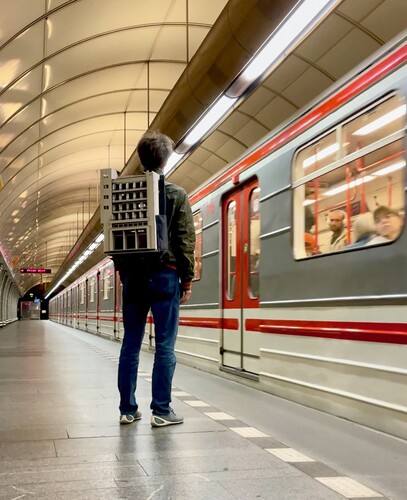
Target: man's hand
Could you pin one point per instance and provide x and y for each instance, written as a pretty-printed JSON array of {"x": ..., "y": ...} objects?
[{"x": 185, "y": 296}]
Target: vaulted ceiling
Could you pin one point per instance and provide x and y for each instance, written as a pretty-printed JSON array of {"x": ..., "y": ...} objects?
[{"x": 82, "y": 80}]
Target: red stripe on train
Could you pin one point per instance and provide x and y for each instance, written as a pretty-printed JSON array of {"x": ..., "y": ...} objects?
[
  {"x": 364, "y": 81},
  {"x": 220, "y": 323},
  {"x": 389, "y": 333}
]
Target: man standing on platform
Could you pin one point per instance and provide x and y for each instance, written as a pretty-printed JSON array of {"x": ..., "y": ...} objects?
[{"x": 162, "y": 288}]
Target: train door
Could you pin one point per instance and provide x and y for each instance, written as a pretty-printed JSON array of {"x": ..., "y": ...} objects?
[
  {"x": 240, "y": 277},
  {"x": 82, "y": 297},
  {"x": 64, "y": 308},
  {"x": 74, "y": 292},
  {"x": 92, "y": 303},
  {"x": 69, "y": 307}
]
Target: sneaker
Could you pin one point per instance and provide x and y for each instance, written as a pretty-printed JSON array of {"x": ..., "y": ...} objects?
[
  {"x": 129, "y": 419},
  {"x": 167, "y": 419}
]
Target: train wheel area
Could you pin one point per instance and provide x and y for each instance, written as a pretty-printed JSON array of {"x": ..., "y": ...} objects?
[{"x": 60, "y": 435}]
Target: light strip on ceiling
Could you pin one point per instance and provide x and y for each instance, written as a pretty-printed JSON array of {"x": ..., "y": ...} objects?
[
  {"x": 329, "y": 150},
  {"x": 215, "y": 113},
  {"x": 384, "y": 171},
  {"x": 308, "y": 202},
  {"x": 301, "y": 20},
  {"x": 391, "y": 168},
  {"x": 91, "y": 248},
  {"x": 292, "y": 30},
  {"x": 173, "y": 160},
  {"x": 352, "y": 184},
  {"x": 382, "y": 121}
]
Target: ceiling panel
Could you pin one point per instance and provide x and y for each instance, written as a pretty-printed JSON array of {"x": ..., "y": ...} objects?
[
  {"x": 18, "y": 13},
  {"x": 233, "y": 123},
  {"x": 388, "y": 19},
  {"x": 110, "y": 50},
  {"x": 280, "y": 79},
  {"x": 311, "y": 83},
  {"x": 360, "y": 9},
  {"x": 275, "y": 112},
  {"x": 112, "y": 16},
  {"x": 231, "y": 150},
  {"x": 324, "y": 38},
  {"x": 348, "y": 52}
]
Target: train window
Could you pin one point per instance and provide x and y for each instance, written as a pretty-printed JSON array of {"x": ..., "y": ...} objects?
[
  {"x": 383, "y": 120},
  {"x": 254, "y": 245},
  {"x": 315, "y": 157},
  {"x": 231, "y": 251},
  {"x": 92, "y": 288},
  {"x": 106, "y": 284},
  {"x": 198, "y": 246},
  {"x": 82, "y": 292},
  {"x": 353, "y": 197}
]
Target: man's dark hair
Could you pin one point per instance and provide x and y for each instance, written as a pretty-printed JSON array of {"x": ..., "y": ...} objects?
[{"x": 154, "y": 149}]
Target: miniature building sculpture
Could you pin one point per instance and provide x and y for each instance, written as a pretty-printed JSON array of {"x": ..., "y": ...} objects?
[{"x": 129, "y": 208}]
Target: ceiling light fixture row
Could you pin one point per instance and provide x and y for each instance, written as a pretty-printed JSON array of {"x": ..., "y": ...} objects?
[
  {"x": 91, "y": 248},
  {"x": 302, "y": 19}
]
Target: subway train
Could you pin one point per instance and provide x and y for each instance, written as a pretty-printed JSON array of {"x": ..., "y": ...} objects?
[{"x": 275, "y": 305}]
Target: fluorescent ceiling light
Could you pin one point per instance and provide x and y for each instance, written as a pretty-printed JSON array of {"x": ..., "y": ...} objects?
[
  {"x": 308, "y": 202},
  {"x": 329, "y": 150},
  {"x": 391, "y": 168},
  {"x": 173, "y": 160},
  {"x": 92, "y": 247},
  {"x": 382, "y": 121},
  {"x": 293, "y": 29},
  {"x": 351, "y": 184},
  {"x": 208, "y": 120},
  {"x": 303, "y": 18}
]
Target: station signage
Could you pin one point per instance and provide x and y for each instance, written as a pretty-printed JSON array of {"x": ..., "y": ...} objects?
[{"x": 34, "y": 270}]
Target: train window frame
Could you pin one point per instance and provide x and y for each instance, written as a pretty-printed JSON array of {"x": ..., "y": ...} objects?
[
  {"x": 92, "y": 288},
  {"x": 82, "y": 294},
  {"x": 106, "y": 284},
  {"x": 342, "y": 160},
  {"x": 231, "y": 251},
  {"x": 254, "y": 247},
  {"x": 198, "y": 224}
]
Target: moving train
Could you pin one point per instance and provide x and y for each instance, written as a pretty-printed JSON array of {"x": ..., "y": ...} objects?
[{"x": 273, "y": 304}]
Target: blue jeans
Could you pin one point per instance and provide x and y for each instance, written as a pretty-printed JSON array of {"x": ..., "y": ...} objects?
[{"x": 160, "y": 292}]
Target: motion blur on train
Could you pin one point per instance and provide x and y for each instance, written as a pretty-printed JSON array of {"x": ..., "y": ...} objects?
[{"x": 275, "y": 303}]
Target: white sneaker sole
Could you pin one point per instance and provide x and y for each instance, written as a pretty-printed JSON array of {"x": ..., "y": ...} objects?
[
  {"x": 162, "y": 422},
  {"x": 123, "y": 420}
]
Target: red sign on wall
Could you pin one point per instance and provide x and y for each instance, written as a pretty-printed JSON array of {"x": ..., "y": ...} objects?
[{"x": 34, "y": 270}]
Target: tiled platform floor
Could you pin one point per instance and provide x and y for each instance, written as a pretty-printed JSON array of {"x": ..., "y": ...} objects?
[{"x": 60, "y": 437}]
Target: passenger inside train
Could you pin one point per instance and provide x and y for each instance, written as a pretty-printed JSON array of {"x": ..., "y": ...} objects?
[
  {"x": 388, "y": 223},
  {"x": 358, "y": 164},
  {"x": 336, "y": 222},
  {"x": 363, "y": 230}
]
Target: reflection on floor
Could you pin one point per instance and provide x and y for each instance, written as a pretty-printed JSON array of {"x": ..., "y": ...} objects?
[{"x": 60, "y": 437}]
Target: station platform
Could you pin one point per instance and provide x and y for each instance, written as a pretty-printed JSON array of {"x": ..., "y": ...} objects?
[{"x": 60, "y": 437}]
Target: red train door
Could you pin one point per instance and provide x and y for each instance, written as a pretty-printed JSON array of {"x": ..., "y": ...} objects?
[{"x": 240, "y": 276}]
